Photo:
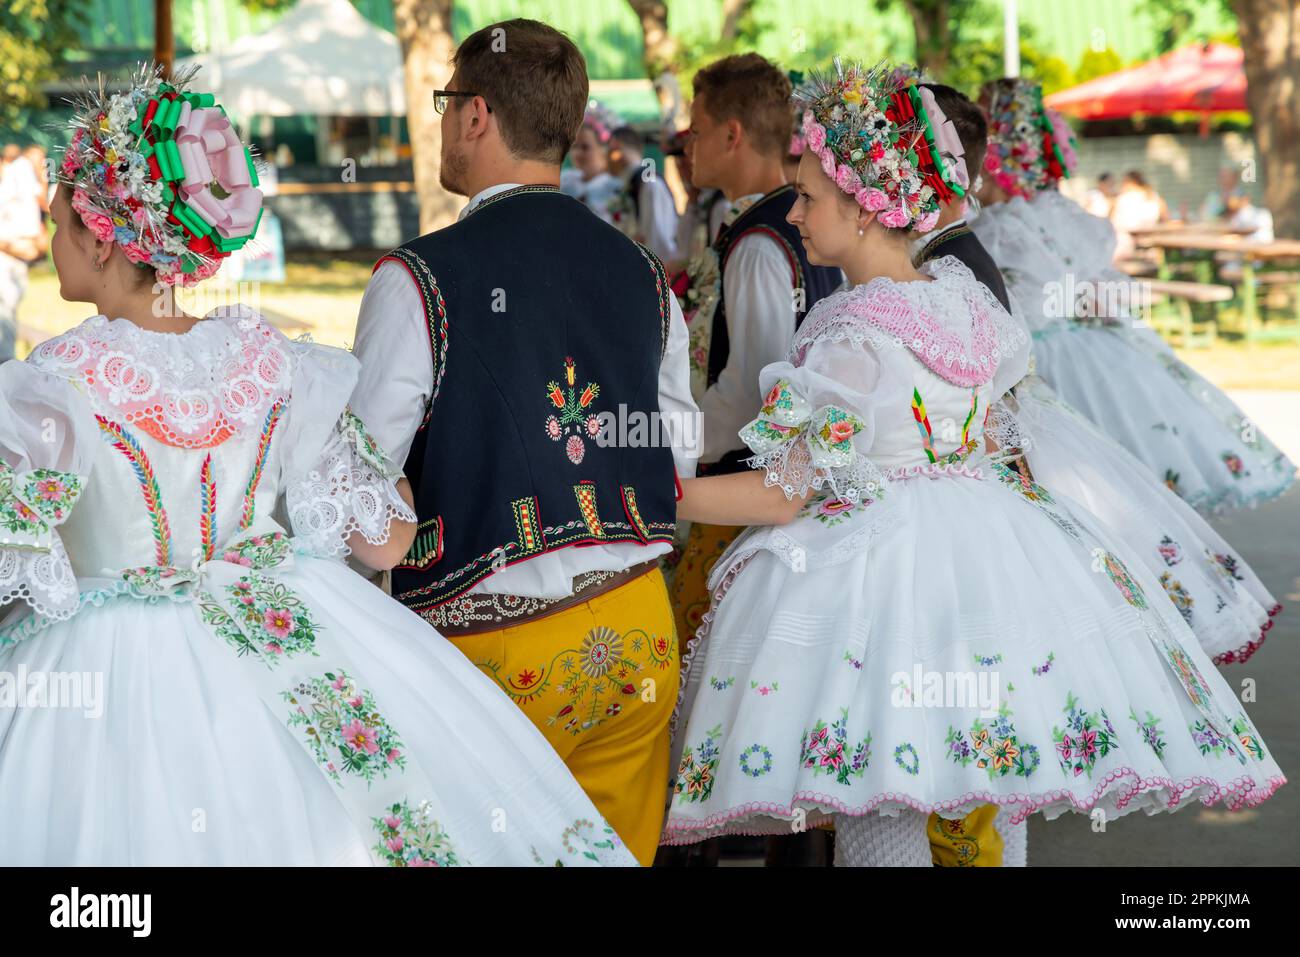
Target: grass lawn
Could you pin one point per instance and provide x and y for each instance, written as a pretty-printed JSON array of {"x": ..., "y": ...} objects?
[{"x": 324, "y": 293}]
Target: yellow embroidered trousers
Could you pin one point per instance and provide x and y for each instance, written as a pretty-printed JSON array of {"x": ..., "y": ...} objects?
[
  {"x": 704, "y": 546},
  {"x": 600, "y": 681},
  {"x": 971, "y": 841}
]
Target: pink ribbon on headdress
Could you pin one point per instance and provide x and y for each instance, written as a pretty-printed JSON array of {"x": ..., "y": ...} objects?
[
  {"x": 210, "y": 150},
  {"x": 945, "y": 137}
]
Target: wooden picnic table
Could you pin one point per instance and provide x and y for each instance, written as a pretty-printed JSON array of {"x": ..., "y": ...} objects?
[{"x": 1251, "y": 252}]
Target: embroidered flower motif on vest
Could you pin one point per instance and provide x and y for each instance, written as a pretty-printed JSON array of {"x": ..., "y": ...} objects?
[{"x": 574, "y": 416}]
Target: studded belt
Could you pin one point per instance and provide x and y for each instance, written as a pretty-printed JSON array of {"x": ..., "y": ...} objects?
[{"x": 474, "y": 614}]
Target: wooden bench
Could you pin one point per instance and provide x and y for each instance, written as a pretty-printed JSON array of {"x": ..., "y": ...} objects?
[{"x": 1182, "y": 295}]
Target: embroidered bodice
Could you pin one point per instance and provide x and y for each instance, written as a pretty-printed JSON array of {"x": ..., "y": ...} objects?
[
  {"x": 887, "y": 377},
  {"x": 164, "y": 451}
]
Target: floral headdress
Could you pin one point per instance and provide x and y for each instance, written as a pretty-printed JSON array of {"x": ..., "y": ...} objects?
[
  {"x": 873, "y": 138},
  {"x": 1027, "y": 152},
  {"x": 602, "y": 120},
  {"x": 158, "y": 170}
]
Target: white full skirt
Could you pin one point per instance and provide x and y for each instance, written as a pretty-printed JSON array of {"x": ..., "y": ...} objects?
[
  {"x": 811, "y": 690},
  {"x": 1184, "y": 429},
  {"x": 186, "y": 764}
]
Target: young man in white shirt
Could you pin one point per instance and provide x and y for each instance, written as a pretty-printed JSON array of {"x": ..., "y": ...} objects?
[
  {"x": 646, "y": 198},
  {"x": 519, "y": 362}
]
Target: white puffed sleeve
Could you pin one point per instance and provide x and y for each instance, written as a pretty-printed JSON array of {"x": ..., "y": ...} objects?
[
  {"x": 818, "y": 420},
  {"x": 335, "y": 478},
  {"x": 47, "y": 447}
]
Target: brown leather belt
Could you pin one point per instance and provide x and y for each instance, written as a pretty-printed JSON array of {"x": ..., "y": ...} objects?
[{"x": 476, "y": 614}]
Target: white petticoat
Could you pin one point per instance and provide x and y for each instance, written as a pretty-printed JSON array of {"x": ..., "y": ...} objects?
[
  {"x": 187, "y": 765},
  {"x": 802, "y": 689},
  {"x": 1184, "y": 429}
]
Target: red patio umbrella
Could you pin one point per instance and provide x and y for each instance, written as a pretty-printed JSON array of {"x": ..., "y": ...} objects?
[{"x": 1204, "y": 78}]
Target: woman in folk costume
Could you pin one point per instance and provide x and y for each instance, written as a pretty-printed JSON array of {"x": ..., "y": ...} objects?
[
  {"x": 897, "y": 568},
  {"x": 1227, "y": 606},
  {"x": 178, "y": 495},
  {"x": 1121, "y": 376},
  {"x": 589, "y": 180}
]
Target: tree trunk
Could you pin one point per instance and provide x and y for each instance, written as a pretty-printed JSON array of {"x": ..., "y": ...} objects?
[
  {"x": 933, "y": 40},
  {"x": 164, "y": 38},
  {"x": 658, "y": 51},
  {"x": 424, "y": 29},
  {"x": 732, "y": 11},
  {"x": 1270, "y": 42}
]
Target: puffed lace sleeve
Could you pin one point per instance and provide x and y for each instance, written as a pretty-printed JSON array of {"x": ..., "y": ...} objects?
[
  {"x": 817, "y": 421},
  {"x": 336, "y": 478},
  {"x": 47, "y": 446}
]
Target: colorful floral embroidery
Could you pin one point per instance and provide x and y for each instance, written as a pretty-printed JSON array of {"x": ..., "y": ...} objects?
[
  {"x": 351, "y": 427},
  {"x": 1119, "y": 574},
  {"x": 922, "y": 418},
  {"x": 574, "y": 417},
  {"x": 1242, "y": 729},
  {"x": 277, "y": 620},
  {"x": 1208, "y": 741},
  {"x": 1227, "y": 566},
  {"x": 32, "y": 501},
  {"x": 609, "y": 842},
  {"x": 344, "y": 728},
  {"x": 826, "y": 750},
  {"x": 721, "y": 685},
  {"x": 1150, "y": 732},
  {"x": 410, "y": 837},
  {"x": 695, "y": 776},
  {"x": 273, "y": 416},
  {"x": 225, "y": 627},
  {"x": 1236, "y": 467},
  {"x": 1022, "y": 484},
  {"x": 1085, "y": 739},
  {"x": 988, "y": 660},
  {"x": 831, "y": 511},
  {"x": 1171, "y": 480},
  {"x": 855, "y": 662},
  {"x": 832, "y": 436},
  {"x": 900, "y": 758},
  {"x": 764, "y": 690},
  {"x": 1178, "y": 595},
  {"x": 749, "y": 766},
  {"x": 129, "y": 446},
  {"x": 207, "y": 508},
  {"x": 1170, "y": 551},
  {"x": 994, "y": 748},
  {"x": 1045, "y": 667},
  {"x": 260, "y": 551}
]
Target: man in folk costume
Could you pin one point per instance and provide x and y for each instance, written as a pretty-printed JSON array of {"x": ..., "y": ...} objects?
[
  {"x": 984, "y": 838},
  {"x": 740, "y": 131},
  {"x": 521, "y": 361}
]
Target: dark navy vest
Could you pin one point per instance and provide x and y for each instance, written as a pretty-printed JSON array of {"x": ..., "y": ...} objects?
[
  {"x": 766, "y": 216},
  {"x": 546, "y": 326},
  {"x": 965, "y": 245}
]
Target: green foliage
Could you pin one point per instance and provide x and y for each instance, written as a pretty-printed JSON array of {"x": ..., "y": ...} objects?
[
  {"x": 1096, "y": 63},
  {"x": 33, "y": 34},
  {"x": 1175, "y": 21},
  {"x": 976, "y": 62}
]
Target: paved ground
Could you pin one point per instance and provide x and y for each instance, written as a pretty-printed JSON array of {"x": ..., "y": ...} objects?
[{"x": 1269, "y": 539}]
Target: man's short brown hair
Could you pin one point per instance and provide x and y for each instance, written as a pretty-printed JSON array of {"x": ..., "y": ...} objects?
[
  {"x": 968, "y": 119},
  {"x": 535, "y": 80},
  {"x": 750, "y": 89}
]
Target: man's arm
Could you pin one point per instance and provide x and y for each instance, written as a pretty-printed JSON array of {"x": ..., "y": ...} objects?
[
  {"x": 759, "y": 294},
  {"x": 392, "y": 342}
]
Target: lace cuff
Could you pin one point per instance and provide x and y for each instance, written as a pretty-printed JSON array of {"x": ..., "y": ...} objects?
[
  {"x": 33, "y": 564},
  {"x": 802, "y": 449},
  {"x": 352, "y": 488}
]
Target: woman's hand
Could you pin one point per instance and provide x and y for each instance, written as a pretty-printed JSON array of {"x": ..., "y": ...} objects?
[
  {"x": 401, "y": 535},
  {"x": 739, "y": 499}
]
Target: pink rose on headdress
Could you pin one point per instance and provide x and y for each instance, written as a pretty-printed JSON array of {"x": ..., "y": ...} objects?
[
  {"x": 217, "y": 185},
  {"x": 828, "y": 164},
  {"x": 95, "y": 221},
  {"x": 846, "y": 179},
  {"x": 813, "y": 132},
  {"x": 926, "y": 222},
  {"x": 872, "y": 199},
  {"x": 896, "y": 217},
  {"x": 797, "y": 144}
]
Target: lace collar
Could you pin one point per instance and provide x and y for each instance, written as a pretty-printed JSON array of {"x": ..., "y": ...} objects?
[
  {"x": 953, "y": 324},
  {"x": 189, "y": 390}
]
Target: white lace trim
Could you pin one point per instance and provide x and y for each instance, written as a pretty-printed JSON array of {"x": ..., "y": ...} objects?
[
  {"x": 349, "y": 490},
  {"x": 42, "y": 578},
  {"x": 954, "y": 325},
  {"x": 789, "y": 467}
]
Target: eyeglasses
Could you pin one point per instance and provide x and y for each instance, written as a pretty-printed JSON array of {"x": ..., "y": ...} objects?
[{"x": 442, "y": 97}]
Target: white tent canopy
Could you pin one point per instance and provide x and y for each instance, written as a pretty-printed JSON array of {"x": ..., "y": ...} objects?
[{"x": 322, "y": 58}]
